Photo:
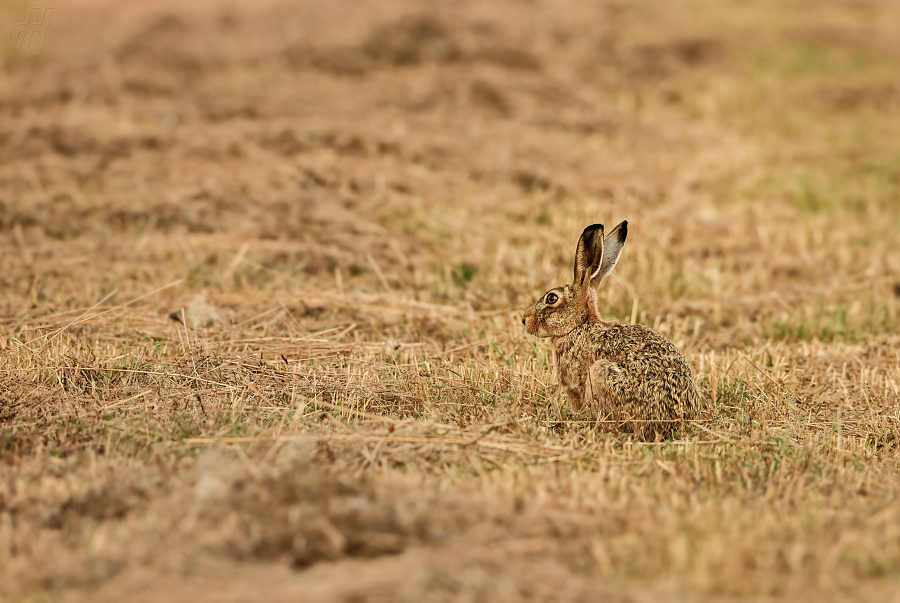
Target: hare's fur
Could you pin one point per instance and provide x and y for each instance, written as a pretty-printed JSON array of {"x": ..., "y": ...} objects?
[{"x": 636, "y": 379}]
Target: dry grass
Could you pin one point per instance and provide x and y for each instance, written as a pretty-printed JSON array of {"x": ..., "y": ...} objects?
[{"x": 260, "y": 280}]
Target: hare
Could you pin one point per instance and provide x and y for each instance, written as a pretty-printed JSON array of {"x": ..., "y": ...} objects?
[{"x": 632, "y": 374}]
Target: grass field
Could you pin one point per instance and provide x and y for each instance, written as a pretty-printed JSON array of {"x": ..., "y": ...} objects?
[{"x": 262, "y": 269}]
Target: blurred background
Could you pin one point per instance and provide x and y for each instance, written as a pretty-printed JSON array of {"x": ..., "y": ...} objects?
[{"x": 452, "y": 152}]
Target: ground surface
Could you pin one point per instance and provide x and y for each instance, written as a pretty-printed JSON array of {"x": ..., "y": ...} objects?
[{"x": 261, "y": 269}]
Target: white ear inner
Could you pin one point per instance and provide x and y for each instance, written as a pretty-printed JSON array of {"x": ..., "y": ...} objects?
[
  {"x": 612, "y": 250},
  {"x": 607, "y": 268}
]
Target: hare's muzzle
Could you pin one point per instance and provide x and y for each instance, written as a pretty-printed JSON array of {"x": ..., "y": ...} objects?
[{"x": 528, "y": 318}]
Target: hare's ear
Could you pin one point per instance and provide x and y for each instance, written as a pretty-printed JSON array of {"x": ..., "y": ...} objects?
[
  {"x": 612, "y": 249},
  {"x": 588, "y": 254}
]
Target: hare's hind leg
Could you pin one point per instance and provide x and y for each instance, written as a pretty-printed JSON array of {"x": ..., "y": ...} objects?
[
  {"x": 600, "y": 384},
  {"x": 623, "y": 397},
  {"x": 606, "y": 387},
  {"x": 593, "y": 386}
]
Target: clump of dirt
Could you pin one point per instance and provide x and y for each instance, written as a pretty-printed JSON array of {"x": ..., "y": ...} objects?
[
  {"x": 419, "y": 39},
  {"x": 304, "y": 513}
]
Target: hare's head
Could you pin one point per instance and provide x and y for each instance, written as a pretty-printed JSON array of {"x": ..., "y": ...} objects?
[{"x": 563, "y": 308}]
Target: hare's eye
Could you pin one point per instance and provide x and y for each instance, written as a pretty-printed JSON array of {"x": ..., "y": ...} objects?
[{"x": 552, "y": 298}]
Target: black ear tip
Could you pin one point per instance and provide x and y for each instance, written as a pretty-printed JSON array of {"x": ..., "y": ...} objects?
[{"x": 623, "y": 231}]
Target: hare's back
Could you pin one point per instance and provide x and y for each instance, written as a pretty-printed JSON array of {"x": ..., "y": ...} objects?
[{"x": 637, "y": 348}]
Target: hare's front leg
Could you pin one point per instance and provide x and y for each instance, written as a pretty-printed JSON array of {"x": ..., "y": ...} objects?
[
  {"x": 576, "y": 397},
  {"x": 573, "y": 384}
]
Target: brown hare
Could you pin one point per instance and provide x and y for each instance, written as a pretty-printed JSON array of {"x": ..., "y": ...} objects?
[{"x": 629, "y": 373}]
